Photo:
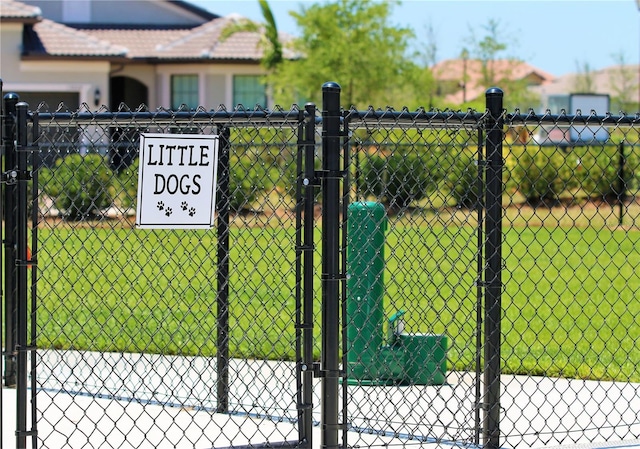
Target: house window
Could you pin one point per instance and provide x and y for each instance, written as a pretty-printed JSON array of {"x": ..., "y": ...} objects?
[
  {"x": 184, "y": 90},
  {"x": 249, "y": 91}
]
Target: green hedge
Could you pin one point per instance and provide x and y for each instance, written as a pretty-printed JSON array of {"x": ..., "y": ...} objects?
[
  {"x": 399, "y": 178},
  {"x": 448, "y": 175},
  {"x": 248, "y": 178},
  {"x": 445, "y": 174},
  {"x": 550, "y": 173},
  {"x": 79, "y": 185},
  {"x": 399, "y": 175}
]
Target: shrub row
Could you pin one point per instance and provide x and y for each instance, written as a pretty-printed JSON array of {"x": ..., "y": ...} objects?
[
  {"x": 441, "y": 175},
  {"x": 82, "y": 185},
  {"x": 449, "y": 176},
  {"x": 549, "y": 173},
  {"x": 78, "y": 184}
]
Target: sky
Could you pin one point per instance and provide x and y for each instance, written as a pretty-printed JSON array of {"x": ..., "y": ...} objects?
[{"x": 556, "y": 36}]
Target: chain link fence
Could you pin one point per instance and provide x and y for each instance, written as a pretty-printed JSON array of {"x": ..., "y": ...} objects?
[
  {"x": 372, "y": 278},
  {"x": 568, "y": 313}
]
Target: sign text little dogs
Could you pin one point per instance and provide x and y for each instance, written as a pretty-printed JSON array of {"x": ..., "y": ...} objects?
[{"x": 177, "y": 181}]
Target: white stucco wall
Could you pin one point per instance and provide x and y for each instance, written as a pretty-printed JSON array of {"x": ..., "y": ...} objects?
[
  {"x": 144, "y": 73},
  {"x": 10, "y": 48},
  {"x": 85, "y": 78}
]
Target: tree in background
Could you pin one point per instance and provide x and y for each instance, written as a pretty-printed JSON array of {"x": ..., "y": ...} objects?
[
  {"x": 352, "y": 43},
  {"x": 584, "y": 81},
  {"x": 491, "y": 49},
  {"x": 624, "y": 84},
  {"x": 429, "y": 58},
  {"x": 488, "y": 50},
  {"x": 272, "y": 47}
]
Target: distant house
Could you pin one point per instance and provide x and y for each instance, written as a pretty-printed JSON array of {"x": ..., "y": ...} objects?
[
  {"x": 160, "y": 53},
  {"x": 463, "y": 80},
  {"x": 620, "y": 82}
]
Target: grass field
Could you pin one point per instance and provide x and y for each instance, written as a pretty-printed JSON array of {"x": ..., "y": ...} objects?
[{"x": 570, "y": 302}]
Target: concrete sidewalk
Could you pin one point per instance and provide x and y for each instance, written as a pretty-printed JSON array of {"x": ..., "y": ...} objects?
[
  {"x": 98, "y": 400},
  {"x": 74, "y": 421}
]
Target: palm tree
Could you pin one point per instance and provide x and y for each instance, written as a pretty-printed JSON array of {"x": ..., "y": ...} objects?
[{"x": 271, "y": 43}]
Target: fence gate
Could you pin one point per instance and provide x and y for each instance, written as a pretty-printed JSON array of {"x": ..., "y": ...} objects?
[
  {"x": 421, "y": 297},
  {"x": 159, "y": 337}
]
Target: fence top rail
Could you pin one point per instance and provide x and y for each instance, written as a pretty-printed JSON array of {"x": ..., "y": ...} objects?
[
  {"x": 237, "y": 118},
  {"x": 420, "y": 118},
  {"x": 242, "y": 118},
  {"x": 580, "y": 119},
  {"x": 443, "y": 119}
]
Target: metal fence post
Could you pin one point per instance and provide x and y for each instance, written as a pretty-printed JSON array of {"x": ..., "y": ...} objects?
[
  {"x": 222, "y": 319},
  {"x": 622, "y": 185},
  {"x": 2, "y": 312},
  {"x": 346, "y": 191},
  {"x": 493, "y": 266},
  {"x": 10, "y": 101},
  {"x": 21, "y": 262},
  {"x": 480, "y": 183},
  {"x": 305, "y": 194},
  {"x": 330, "y": 362}
]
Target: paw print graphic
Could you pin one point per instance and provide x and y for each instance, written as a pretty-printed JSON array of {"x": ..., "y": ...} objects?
[
  {"x": 160, "y": 205},
  {"x": 184, "y": 205},
  {"x": 192, "y": 211},
  {"x": 168, "y": 212}
]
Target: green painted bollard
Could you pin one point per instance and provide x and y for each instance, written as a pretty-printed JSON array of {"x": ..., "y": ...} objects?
[{"x": 366, "y": 227}]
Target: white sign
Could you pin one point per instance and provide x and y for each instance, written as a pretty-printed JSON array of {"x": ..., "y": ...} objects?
[{"x": 177, "y": 181}]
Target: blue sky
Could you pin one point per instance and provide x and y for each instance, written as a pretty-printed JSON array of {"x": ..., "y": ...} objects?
[{"x": 557, "y": 36}]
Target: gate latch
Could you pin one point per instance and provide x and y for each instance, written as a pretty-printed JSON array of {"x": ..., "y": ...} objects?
[
  {"x": 318, "y": 372},
  {"x": 10, "y": 177}
]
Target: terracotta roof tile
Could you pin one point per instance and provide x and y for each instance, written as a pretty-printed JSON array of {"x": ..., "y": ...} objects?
[
  {"x": 453, "y": 69},
  {"x": 55, "y": 39},
  {"x": 10, "y": 9},
  {"x": 202, "y": 42},
  {"x": 606, "y": 80},
  {"x": 246, "y": 45},
  {"x": 47, "y": 38},
  {"x": 457, "y": 70},
  {"x": 139, "y": 43}
]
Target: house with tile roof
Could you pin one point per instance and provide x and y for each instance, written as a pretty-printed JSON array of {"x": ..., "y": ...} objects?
[
  {"x": 459, "y": 81},
  {"x": 158, "y": 53},
  {"x": 463, "y": 80}
]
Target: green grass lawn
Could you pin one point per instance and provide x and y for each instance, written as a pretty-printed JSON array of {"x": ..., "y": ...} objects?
[
  {"x": 155, "y": 291},
  {"x": 570, "y": 302}
]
